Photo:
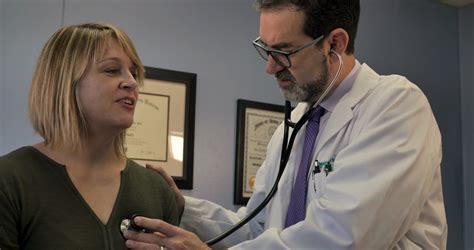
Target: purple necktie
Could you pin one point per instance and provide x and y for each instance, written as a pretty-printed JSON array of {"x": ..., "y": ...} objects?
[{"x": 297, "y": 208}]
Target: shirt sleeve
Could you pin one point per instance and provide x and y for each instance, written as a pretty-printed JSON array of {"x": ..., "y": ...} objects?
[
  {"x": 208, "y": 219},
  {"x": 173, "y": 216},
  {"x": 8, "y": 216}
]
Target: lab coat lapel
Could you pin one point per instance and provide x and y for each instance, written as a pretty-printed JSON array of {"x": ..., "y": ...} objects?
[
  {"x": 343, "y": 112},
  {"x": 335, "y": 123}
]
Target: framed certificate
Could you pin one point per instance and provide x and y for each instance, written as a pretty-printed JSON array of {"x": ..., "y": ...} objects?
[
  {"x": 163, "y": 128},
  {"x": 256, "y": 123}
]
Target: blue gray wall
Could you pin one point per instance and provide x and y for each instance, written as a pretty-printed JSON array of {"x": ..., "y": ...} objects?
[
  {"x": 2, "y": 82},
  {"x": 466, "y": 52},
  {"x": 418, "y": 39},
  {"x": 26, "y": 27}
]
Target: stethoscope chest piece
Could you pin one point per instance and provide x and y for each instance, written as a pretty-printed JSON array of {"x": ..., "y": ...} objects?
[
  {"x": 124, "y": 225},
  {"x": 127, "y": 224}
]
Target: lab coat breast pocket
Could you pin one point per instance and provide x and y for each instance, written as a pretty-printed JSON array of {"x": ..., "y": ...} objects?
[{"x": 316, "y": 185}]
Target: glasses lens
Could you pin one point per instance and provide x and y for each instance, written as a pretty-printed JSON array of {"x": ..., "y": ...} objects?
[
  {"x": 262, "y": 52},
  {"x": 281, "y": 59}
]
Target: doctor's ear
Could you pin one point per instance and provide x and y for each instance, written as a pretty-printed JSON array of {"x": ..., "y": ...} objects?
[{"x": 338, "y": 40}]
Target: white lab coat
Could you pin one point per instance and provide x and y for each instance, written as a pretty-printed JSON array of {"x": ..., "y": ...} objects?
[{"x": 384, "y": 191}]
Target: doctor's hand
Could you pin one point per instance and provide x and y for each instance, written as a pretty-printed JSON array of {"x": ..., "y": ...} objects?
[
  {"x": 179, "y": 197},
  {"x": 164, "y": 236}
]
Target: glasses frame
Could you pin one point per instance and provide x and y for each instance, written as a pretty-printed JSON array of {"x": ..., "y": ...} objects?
[{"x": 287, "y": 54}]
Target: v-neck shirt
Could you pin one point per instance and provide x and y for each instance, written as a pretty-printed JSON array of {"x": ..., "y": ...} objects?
[{"x": 40, "y": 208}]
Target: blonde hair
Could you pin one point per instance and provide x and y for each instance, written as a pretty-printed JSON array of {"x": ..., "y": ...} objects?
[{"x": 54, "y": 110}]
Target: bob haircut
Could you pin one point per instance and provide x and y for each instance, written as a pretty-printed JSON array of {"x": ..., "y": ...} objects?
[{"x": 54, "y": 110}]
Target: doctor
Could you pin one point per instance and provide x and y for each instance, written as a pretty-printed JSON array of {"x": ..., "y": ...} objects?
[{"x": 373, "y": 178}]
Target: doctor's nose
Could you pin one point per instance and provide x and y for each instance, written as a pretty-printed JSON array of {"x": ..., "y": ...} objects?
[{"x": 272, "y": 66}]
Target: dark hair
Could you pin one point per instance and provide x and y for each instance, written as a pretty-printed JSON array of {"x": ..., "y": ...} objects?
[{"x": 323, "y": 16}]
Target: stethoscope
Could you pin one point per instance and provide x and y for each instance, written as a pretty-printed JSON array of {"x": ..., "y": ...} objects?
[{"x": 128, "y": 224}]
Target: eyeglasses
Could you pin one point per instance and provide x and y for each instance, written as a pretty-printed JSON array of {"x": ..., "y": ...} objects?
[{"x": 282, "y": 58}]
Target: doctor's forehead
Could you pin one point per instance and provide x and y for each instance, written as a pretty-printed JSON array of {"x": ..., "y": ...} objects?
[{"x": 282, "y": 26}]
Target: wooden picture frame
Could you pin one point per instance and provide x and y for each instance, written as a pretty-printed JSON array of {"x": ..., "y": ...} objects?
[
  {"x": 163, "y": 128},
  {"x": 256, "y": 122}
]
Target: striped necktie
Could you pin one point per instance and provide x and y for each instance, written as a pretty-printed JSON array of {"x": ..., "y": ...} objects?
[{"x": 297, "y": 208}]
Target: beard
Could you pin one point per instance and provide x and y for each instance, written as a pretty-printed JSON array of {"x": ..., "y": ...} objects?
[{"x": 305, "y": 92}]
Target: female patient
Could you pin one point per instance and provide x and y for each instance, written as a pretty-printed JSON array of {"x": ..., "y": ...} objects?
[{"x": 73, "y": 189}]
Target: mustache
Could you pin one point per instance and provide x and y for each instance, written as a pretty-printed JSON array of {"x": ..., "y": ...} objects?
[{"x": 284, "y": 75}]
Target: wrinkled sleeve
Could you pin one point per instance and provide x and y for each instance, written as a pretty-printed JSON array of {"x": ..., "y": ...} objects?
[{"x": 208, "y": 219}]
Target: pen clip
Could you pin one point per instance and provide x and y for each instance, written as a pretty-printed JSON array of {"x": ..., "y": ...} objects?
[
  {"x": 323, "y": 166},
  {"x": 316, "y": 169}
]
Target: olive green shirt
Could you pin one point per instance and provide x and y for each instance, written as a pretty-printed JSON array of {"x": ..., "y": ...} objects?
[{"x": 41, "y": 209}]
